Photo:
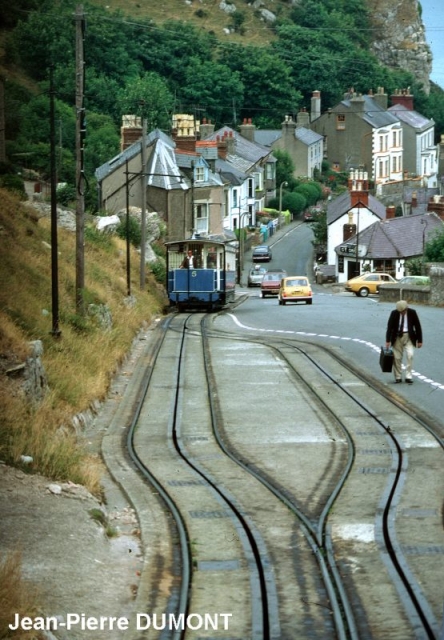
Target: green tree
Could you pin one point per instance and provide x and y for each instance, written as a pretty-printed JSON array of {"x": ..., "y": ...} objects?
[
  {"x": 434, "y": 249},
  {"x": 149, "y": 97},
  {"x": 271, "y": 92},
  {"x": 212, "y": 87},
  {"x": 284, "y": 168},
  {"x": 320, "y": 229},
  {"x": 311, "y": 191},
  {"x": 294, "y": 202}
]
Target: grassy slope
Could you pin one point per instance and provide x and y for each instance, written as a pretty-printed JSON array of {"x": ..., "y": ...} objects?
[
  {"x": 256, "y": 31},
  {"x": 79, "y": 364}
]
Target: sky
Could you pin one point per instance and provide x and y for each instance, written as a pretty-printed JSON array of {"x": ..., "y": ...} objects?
[{"x": 433, "y": 19}]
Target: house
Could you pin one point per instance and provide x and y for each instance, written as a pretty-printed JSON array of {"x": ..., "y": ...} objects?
[
  {"x": 304, "y": 146},
  {"x": 360, "y": 132},
  {"x": 248, "y": 167},
  {"x": 348, "y": 215},
  {"x": 418, "y": 134},
  {"x": 181, "y": 186},
  {"x": 387, "y": 244}
]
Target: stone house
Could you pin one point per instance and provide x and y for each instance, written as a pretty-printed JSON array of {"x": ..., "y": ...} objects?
[
  {"x": 387, "y": 244},
  {"x": 418, "y": 134},
  {"x": 181, "y": 187},
  {"x": 347, "y": 216},
  {"x": 360, "y": 132},
  {"x": 304, "y": 146},
  {"x": 247, "y": 167}
]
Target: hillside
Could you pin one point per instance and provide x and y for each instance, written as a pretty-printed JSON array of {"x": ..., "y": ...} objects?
[
  {"x": 77, "y": 367},
  {"x": 398, "y": 38}
]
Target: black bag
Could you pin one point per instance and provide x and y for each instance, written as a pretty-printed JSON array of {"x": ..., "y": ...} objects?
[{"x": 386, "y": 359}]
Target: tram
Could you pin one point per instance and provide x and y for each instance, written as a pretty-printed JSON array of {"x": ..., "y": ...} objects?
[{"x": 201, "y": 273}]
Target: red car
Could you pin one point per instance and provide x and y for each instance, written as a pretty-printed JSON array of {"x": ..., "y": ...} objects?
[{"x": 271, "y": 282}]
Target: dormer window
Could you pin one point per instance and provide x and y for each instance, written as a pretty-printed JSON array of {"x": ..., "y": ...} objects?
[{"x": 199, "y": 174}]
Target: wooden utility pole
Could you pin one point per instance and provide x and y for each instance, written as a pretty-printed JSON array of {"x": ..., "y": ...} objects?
[
  {"x": 143, "y": 207},
  {"x": 80, "y": 174},
  {"x": 2, "y": 122},
  {"x": 54, "y": 246}
]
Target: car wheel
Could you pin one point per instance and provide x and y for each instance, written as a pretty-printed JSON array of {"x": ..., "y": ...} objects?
[
  {"x": 364, "y": 292},
  {"x": 309, "y": 301}
]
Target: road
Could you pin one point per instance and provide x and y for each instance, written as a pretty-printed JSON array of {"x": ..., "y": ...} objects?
[{"x": 353, "y": 326}]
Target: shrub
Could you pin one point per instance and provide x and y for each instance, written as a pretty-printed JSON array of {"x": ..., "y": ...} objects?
[{"x": 134, "y": 231}]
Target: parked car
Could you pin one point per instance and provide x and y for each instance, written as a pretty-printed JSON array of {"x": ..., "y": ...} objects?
[
  {"x": 368, "y": 283},
  {"x": 295, "y": 289},
  {"x": 271, "y": 282},
  {"x": 423, "y": 281},
  {"x": 262, "y": 253},
  {"x": 255, "y": 276}
]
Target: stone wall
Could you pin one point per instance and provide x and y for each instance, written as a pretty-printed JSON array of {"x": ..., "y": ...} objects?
[{"x": 432, "y": 295}]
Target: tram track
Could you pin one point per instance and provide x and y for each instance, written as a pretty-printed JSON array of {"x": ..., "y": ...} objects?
[
  {"x": 407, "y": 585},
  {"x": 298, "y": 570}
]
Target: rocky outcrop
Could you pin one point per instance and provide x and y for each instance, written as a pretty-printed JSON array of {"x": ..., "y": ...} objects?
[{"x": 399, "y": 40}]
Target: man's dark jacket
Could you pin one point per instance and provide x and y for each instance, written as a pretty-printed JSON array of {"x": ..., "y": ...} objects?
[{"x": 414, "y": 326}]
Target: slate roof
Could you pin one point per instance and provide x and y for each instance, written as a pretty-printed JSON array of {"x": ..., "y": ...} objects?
[
  {"x": 372, "y": 113},
  {"x": 266, "y": 137},
  {"x": 401, "y": 237},
  {"x": 342, "y": 204},
  {"x": 162, "y": 168},
  {"x": 307, "y": 136},
  {"x": 410, "y": 117},
  {"x": 247, "y": 153},
  {"x": 230, "y": 173}
]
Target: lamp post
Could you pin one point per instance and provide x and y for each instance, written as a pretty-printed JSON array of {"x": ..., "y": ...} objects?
[
  {"x": 423, "y": 222},
  {"x": 241, "y": 245},
  {"x": 283, "y": 184}
]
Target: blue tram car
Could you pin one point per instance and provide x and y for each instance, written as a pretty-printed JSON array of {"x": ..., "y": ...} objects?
[{"x": 201, "y": 273}]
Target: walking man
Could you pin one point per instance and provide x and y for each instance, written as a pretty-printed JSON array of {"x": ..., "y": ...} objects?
[{"x": 403, "y": 334}]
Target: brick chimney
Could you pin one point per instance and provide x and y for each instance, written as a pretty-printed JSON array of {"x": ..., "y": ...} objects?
[
  {"x": 381, "y": 98},
  {"x": 315, "y": 105},
  {"x": 358, "y": 187},
  {"x": 231, "y": 143},
  {"x": 130, "y": 131},
  {"x": 403, "y": 97},
  {"x": 288, "y": 128},
  {"x": 247, "y": 129},
  {"x": 303, "y": 119},
  {"x": 206, "y": 129},
  {"x": 208, "y": 150},
  {"x": 222, "y": 147},
  {"x": 390, "y": 212},
  {"x": 357, "y": 102}
]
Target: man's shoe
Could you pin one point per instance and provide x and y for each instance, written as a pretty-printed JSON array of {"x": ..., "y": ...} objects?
[
  {"x": 409, "y": 381},
  {"x": 398, "y": 380}
]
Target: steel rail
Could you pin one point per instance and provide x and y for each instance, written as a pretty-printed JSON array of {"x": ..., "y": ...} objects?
[
  {"x": 182, "y": 605},
  {"x": 341, "y": 608}
]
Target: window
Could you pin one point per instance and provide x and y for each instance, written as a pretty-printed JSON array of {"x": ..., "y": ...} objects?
[
  {"x": 340, "y": 122},
  {"x": 235, "y": 198},
  {"x": 201, "y": 211},
  {"x": 199, "y": 174},
  {"x": 269, "y": 170},
  {"x": 251, "y": 188}
]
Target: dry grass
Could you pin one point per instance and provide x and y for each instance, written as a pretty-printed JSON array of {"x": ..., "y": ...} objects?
[
  {"x": 16, "y": 596},
  {"x": 80, "y": 364},
  {"x": 214, "y": 20}
]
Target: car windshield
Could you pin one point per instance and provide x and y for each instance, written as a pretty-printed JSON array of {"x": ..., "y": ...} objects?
[{"x": 296, "y": 282}]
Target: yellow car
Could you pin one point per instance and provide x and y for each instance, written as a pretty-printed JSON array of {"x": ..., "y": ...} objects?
[
  {"x": 295, "y": 289},
  {"x": 367, "y": 283}
]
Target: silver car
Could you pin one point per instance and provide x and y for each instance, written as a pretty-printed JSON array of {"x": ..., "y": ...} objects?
[{"x": 255, "y": 276}]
